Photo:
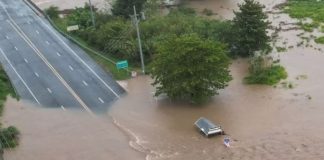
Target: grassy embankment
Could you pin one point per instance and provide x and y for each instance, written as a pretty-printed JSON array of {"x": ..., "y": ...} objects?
[
  {"x": 313, "y": 9},
  {"x": 8, "y": 136},
  {"x": 108, "y": 65}
]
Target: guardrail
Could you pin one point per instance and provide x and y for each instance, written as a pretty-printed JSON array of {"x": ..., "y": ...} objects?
[{"x": 34, "y": 7}]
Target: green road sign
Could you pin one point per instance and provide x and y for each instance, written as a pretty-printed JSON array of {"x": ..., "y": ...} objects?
[{"x": 122, "y": 64}]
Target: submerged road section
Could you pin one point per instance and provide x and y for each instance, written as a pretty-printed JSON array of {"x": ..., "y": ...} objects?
[{"x": 48, "y": 69}]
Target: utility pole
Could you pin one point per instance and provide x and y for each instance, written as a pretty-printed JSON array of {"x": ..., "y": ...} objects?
[
  {"x": 136, "y": 22},
  {"x": 92, "y": 15}
]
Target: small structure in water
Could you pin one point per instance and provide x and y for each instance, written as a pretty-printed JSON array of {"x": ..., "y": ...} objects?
[{"x": 207, "y": 127}]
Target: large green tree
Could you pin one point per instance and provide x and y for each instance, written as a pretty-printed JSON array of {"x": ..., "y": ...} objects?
[
  {"x": 250, "y": 27},
  {"x": 124, "y": 8},
  {"x": 188, "y": 67}
]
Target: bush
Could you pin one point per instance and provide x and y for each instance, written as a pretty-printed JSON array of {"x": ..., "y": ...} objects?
[
  {"x": 269, "y": 76},
  {"x": 52, "y": 12},
  {"x": 281, "y": 49},
  {"x": 80, "y": 16},
  {"x": 9, "y": 137},
  {"x": 320, "y": 40}
]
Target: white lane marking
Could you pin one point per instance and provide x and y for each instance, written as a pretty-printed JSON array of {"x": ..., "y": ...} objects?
[
  {"x": 25, "y": 60},
  {"x": 47, "y": 42},
  {"x": 58, "y": 54},
  {"x": 16, "y": 48},
  {"x": 63, "y": 108},
  {"x": 7, "y": 37},
  {"x": 75, "y": 54},
  {"x": 30, "y": 43},
  {"x": 36, "y": 74},
  {"x": 49, "y": 90},
  {"x": 22, "y": 80},
  {"x": 37, "y": 32},
  {"x": 101, "y": 100},
  {"x": 71, "y": 68},
  {"x": 85, "y": 83}
]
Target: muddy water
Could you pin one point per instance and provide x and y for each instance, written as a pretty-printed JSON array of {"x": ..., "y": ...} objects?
[
  {"x": 224, "y": 8},
  {"x": 53, "y": 134},
  {"x": 264, "y": 122},
  {"x": 267, "y": 123},
  {"x": 70, "y": 4}
]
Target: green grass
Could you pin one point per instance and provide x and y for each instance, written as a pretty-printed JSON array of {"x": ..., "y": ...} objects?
[
  {"x": 107, "y": 65},
  {"x": 302, "y": 9},
  {"x": 320, "y": 40},
  {"x": 306, "y": 9},
  {"x": 270, "y": 76},
  {"x": 309, "y": 27}
]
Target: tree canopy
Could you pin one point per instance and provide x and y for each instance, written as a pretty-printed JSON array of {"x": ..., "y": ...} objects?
[
  {"x": 188, "y": 67},
  {"x": 124, "y": 8},
  {"x": 250, "y": 29},
  {"x": 80, "y": 16}
]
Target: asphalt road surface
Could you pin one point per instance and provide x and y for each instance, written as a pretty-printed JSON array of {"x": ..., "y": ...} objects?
[{"x": 48, "y": 69}]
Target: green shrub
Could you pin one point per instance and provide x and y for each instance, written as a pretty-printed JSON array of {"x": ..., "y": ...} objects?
[
  {"x": 52, "y": 12},
  {"x": 281, "y": 49},
  {"x": 9, "y": 137},
  {"x": 320, "y": 40},
  {"x": 269, "y": 76}
]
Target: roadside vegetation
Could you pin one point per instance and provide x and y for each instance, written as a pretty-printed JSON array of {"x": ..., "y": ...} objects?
[
  {"x": 8, "y": 136},
  {"x": 205, "y": 43},
  {"x": 5, "y": 89}
]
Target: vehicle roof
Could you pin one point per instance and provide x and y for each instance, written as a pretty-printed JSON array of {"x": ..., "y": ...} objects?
[{"x": 205, "y": 124}]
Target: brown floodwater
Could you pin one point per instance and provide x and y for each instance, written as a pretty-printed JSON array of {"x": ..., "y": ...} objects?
[
  {"x": 70, "y": 4},
  {"x": 264, "y": 122}
]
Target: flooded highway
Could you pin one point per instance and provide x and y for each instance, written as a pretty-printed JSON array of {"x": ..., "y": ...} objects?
[{"x": 264, "y": 122}]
